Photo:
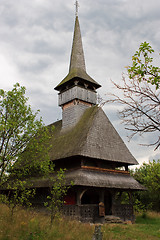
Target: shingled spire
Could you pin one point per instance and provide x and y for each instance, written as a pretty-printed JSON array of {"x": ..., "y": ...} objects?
[
  {"x": 77, "y": 67},
  {"x": 77, "y": 55}
]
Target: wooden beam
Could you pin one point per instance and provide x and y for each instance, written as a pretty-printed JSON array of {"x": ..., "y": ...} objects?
[{"x": 105, "y": 170}]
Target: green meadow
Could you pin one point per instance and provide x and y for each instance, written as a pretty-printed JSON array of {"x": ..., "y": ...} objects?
[{"x": 33, "y": 225}]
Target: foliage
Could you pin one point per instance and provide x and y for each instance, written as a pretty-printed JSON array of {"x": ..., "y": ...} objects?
[
  {"x": 58, "y": 189},
  {"x": 140, "y": 95},
  {"x": 35, "y": 158},
  {"x": 138, "y": 206},
  {"x": 24, "y": 147},
  {"x": 122, "y": 198},
  {"x": 32, "y": 162},
  {"x": 18, "y": 194},
  {"x": 149, "y": 176},
  {"x": 18, "y": 126},
  {"x": 142, "y": 67}
]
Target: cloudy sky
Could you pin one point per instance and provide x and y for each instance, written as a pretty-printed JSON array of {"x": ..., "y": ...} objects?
[{"x": 35, "y": 45}]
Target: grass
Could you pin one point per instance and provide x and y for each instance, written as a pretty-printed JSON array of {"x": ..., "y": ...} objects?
[{"x": 31, "y": 225}]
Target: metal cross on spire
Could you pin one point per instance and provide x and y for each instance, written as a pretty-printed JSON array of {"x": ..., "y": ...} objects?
[{"x": 77, "y": 6}]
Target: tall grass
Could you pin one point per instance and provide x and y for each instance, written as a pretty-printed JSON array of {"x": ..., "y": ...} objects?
[{"x": 31, "y": 225}]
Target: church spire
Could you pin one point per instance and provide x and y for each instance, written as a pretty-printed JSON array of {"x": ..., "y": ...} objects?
[
  {"x": 77, "y": 60},
  {"x": 77, "y": 68},
  {"x": 77, "y": 91}
]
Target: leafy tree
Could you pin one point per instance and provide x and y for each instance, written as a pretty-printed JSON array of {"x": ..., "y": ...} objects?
[
  {"x": 24, "y": 147},
  {"x": 140, "y": 95},
  {"x": 17, "y": 193},
  {"x": 58, "y": 189},
  {"x": 149, "y": 175},
  {"x": 18, "y": 126}
]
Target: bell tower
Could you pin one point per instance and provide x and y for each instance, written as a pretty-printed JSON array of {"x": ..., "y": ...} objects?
[{"x": 77, "y": 91}]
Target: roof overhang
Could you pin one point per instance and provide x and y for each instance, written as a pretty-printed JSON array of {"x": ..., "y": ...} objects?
[{"x": 89, "y": 178}]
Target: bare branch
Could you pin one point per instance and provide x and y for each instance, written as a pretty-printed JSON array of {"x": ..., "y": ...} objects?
[{"x": 141, "y": 106}]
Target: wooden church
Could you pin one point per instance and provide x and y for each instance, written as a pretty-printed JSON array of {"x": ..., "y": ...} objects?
[{"x": 88, "y": 146}]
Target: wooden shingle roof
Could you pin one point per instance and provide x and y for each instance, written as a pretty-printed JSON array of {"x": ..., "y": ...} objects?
[
  {"x": 94, "y": 136},
  {"x": 77, "y": 67},
  {"x": 82, "y": 177},
  {"x": 88, "y": 178}
]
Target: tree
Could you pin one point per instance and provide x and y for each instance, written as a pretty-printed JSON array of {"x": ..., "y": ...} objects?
[
  {"x": 18, "y": 126},
  {"x": 149, "y": 175},
  {"x": 24, "y": 147},
  {"x": 58, "y": 189},
  {"x": 140, "y": 95},
  {"x": 17, "y": 193}
]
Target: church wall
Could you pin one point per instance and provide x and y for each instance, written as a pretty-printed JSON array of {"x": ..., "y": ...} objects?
[
  {"x": 72, "y": 114},
  {"x": 77, "y": 92}
]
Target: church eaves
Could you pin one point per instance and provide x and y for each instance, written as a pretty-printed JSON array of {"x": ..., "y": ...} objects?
[{"x": 77, "y": 67}]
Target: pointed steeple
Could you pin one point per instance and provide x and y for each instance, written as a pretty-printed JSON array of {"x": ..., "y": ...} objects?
[
  {"x": 77, "y": 67},
  {"x": 77, "y": 60}
]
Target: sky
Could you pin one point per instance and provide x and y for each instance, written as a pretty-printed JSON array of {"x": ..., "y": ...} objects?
[{"x": 35, "y": 47}]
